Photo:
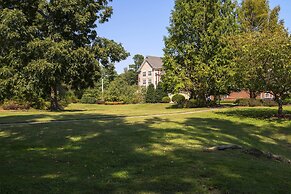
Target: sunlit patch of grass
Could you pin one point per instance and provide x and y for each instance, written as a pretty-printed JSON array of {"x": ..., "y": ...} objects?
[
  {"x": 50, "y": 176},
  {"x": 5, "y": 134},
  {"x": 82, "y": 138},
  {"x": 121, "y": 175}
]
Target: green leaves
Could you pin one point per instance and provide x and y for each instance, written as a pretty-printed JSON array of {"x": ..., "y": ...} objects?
[
  {"x": 196, "y": 57},
  {"x": 47, "y": 44}
]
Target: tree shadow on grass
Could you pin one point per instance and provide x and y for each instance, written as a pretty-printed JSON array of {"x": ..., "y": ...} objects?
[{"x": 133, "y": 156}]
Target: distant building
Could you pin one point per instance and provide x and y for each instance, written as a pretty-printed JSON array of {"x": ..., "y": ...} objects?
[
  {"x": 245, "y": 94},
  {"x": 150, "y": 71}
]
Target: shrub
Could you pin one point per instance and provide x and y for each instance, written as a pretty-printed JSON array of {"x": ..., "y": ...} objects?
[
  {"x": 211, "y": 103},
  {"x": 70, "y": 97},
  {"x": 287, "y": 101},
  {"x": 166, "y": 99},
  {"x": 255, "y": 102},
  {"x": 248, "y": 102},
  {"x": 179, "y": 99},
  {"x": 88, "y": 100},
  {"x": 39, "y": 103},
  {"x": 120, "y": 91},
  {"x": 269, "y": 102},
  {"x": 227, "y": 101},
  {"x": 15, "y": 105},
  {"x": 160, "y": 92},
  {"x": 192, "y": 103},
  {"x": 197, "y": 103}
]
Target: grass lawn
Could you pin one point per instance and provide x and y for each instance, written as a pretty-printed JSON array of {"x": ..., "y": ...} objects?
[{"x": 159, "y": 154}]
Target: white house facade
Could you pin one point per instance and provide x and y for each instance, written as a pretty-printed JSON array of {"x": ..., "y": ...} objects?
[{"x": 150, "y": 71}]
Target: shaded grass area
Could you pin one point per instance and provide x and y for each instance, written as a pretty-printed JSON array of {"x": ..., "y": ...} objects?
[{"x": 151, "y": 155}]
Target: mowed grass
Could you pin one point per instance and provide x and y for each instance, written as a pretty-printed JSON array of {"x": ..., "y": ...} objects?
[
  {"x": 159, "y": 154},
  {"x": 83, "y": 111}
]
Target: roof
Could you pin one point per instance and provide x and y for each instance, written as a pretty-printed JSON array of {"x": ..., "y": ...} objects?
[{"x": 154, "y": 62}]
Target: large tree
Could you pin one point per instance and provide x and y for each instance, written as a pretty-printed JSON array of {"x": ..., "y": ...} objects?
[
  {"x": 271, "y": 51},
  {"x": 197, "y": 58},
  {"x": 52, "y": 43},
  {"x": 255, "y": 16}
]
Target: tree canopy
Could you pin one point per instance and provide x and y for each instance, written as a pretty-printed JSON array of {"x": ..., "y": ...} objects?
[
  {"x": 48, "y": 44},
  {"x": 197, "y": 60}
]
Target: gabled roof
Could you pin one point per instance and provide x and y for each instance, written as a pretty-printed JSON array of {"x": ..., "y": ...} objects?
[{"x": 154, "y": 62}]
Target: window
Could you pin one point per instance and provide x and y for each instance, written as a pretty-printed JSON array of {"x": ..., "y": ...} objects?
[
  {"x": 149, "y": 73},
  {"x": 150, "y": 81},
  {"x": 144, "y": 82},
  {"x": 144, "y": 73},
  {"x": 267, "y": 95}
]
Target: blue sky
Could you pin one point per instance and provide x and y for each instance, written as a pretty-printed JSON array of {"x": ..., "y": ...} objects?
[{"x": 140, "y": 25}]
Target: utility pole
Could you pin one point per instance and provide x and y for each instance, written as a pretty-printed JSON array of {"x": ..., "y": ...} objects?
[{"x": 102, "y": 81}]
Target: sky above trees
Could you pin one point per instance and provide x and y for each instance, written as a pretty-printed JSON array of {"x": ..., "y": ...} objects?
[{"x": 141, "y": 25}]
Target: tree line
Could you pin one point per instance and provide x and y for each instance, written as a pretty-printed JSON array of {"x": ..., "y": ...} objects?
[{"x": 216, "y": 47}]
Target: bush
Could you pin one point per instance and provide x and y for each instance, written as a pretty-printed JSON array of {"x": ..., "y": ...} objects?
[
  {"x": 192, "y": 103},
  {"x": 242, "y": 102},
  {"x": 70, "y": 97},
  {"x": 287, "y": 101},
  {"x": 227, "y": 101},
  {"x": 179, "y": 99},
  {"x": 196, "y": 103},
  {"x": 248, "y": 102},
  {"x": 120, "y": 91},
  {"x": 15, "y": 105},
  {"x": 269, "y": 102},
  {"x": 166, "y": 99},
  {"x": 255, "y": 102},
  {"x": 160, "y": 92},
  {"x": 88, "y": 100},
  {"x": 39, "y": 103}
]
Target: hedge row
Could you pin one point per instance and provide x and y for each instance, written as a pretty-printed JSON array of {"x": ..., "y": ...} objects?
[{"x": 256, "y": 102}]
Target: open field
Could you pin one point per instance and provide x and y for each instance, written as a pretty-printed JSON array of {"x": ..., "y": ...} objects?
[{"x": 113, "y": 153}]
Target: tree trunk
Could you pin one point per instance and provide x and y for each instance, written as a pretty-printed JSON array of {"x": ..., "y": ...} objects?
[
  {"x": 253, "y": 95},
  {"x": 54, "y": 99},
  {"x": 280, "y": 107}
]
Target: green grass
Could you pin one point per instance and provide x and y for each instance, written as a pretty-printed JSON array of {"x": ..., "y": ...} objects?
[
  {"x": 83, "y": 111},
  {"x": 143, "y": 155}
]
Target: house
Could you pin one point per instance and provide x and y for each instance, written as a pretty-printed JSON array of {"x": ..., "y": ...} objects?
[{"x": 150, "y": 71}]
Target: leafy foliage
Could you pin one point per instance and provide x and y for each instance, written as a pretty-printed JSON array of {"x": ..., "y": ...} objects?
[
  {"x": 160, "y": 92},
  {"x": 151, "y": 94},
  {"x": 197, "y": 59},
  {"x": 270, "y": 51},
  {"x": 179, "y": 99},
  {"x": 166, "y": 99},
  {"x": 42, "y": 50},
  {"x": 138, "y": 60},
  {"x": 120, "y": 91}
]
